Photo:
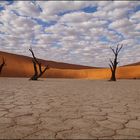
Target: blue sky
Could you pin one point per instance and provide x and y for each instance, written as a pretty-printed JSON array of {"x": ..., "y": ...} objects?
[{"x": 78, "y": 32}]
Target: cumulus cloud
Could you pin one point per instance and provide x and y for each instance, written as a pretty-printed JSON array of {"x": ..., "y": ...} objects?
[
  {"x": 3, "y": 3},
  {"x": 78, "y": 32},
  {"x": 136, "y": 15},
  {"x": 25, "y": 8}
]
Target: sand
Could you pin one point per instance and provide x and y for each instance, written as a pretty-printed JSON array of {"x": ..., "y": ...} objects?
[
  {"x": 21, "y": 66},
  {"x": 69, "y": 109}
]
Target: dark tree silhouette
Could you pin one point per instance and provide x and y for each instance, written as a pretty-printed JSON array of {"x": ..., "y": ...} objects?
[
  {"x": 2, "y": 65},
  {"x": 38, "y": 72},
  {"x": 113, "y": 64}
]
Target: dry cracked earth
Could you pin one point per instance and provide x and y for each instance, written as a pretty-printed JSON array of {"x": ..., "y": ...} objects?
[{"x": 69, "y": 109}]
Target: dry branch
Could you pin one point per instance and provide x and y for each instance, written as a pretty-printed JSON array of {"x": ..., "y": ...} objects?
[
  {"x": 37, "y": 65},
  {"x": 2, "y": 65},
  {"x": 114, "y": 63}
]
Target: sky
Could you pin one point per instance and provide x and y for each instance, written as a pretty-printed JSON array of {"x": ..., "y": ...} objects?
[{"x": 77, "y": 32}]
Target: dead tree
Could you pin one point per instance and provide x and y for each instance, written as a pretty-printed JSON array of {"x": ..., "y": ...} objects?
[
  {"x": 113, "y": 64},
  {"x": 38, "y": 72},
  {"x": 2, "y": 65}
]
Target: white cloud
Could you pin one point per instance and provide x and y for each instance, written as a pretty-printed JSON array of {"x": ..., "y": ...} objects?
[
  {"x": 26, "y": 8},
  {"x": 3, "y": 3},
  {"x": 121, "y": 23},
  {"x": 63, "y": 32},
  {"x": 76, "y": 17},
  {"x": 135, "y": 17},
  {"x": 137, "y": 27},
  {"x": 54, "y": 7}
]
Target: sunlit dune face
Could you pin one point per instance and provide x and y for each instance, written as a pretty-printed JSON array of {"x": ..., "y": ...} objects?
[
  {"x": 130, "y": 72},
  {"x": 21, "y": 66}
]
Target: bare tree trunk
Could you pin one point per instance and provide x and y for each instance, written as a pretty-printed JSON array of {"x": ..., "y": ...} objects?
[
  {"x": 113, "y": 65},
  {"x": 37, "y": 66},
  {"x": 113, "y": 77},
  {"x": 35, "y": 76},
  {"x": 2, "y": 65}
]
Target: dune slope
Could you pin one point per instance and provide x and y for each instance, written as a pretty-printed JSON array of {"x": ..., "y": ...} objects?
[{"x": 21, "y": 66}]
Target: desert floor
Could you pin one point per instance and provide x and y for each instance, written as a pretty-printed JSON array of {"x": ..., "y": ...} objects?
[{"x": 66, "y": 108}]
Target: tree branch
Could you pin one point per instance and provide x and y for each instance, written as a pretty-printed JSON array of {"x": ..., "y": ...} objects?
[
  {"x": 117, "y": 49},
  {"x": 120, "y": 48},
  {"x": 39, "y": 64},
  {"x": 37, "y": 72},
  {"x": 112, "y": 50},
  {"x": 114, "y": 63},
  {"x": 2, "y": 65},
  {"x": 47, "y": 67},
  {"x": 35, "y": 67},
  {"x": 111, "y": 67},
  {"x": 34, "y": 56},
  {"x": 111, "y": 62}
]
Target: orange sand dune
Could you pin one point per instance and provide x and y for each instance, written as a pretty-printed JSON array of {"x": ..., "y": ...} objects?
[
  {"x": 127, "y": 72},
  {"x": 52, "y": 64},
  {"x": 21, "y": 66}
]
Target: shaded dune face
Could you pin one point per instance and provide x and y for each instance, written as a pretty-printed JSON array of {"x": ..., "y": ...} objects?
[
  {"x": 16, "y": 66},
  {"x": 21, "y": 66}
]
